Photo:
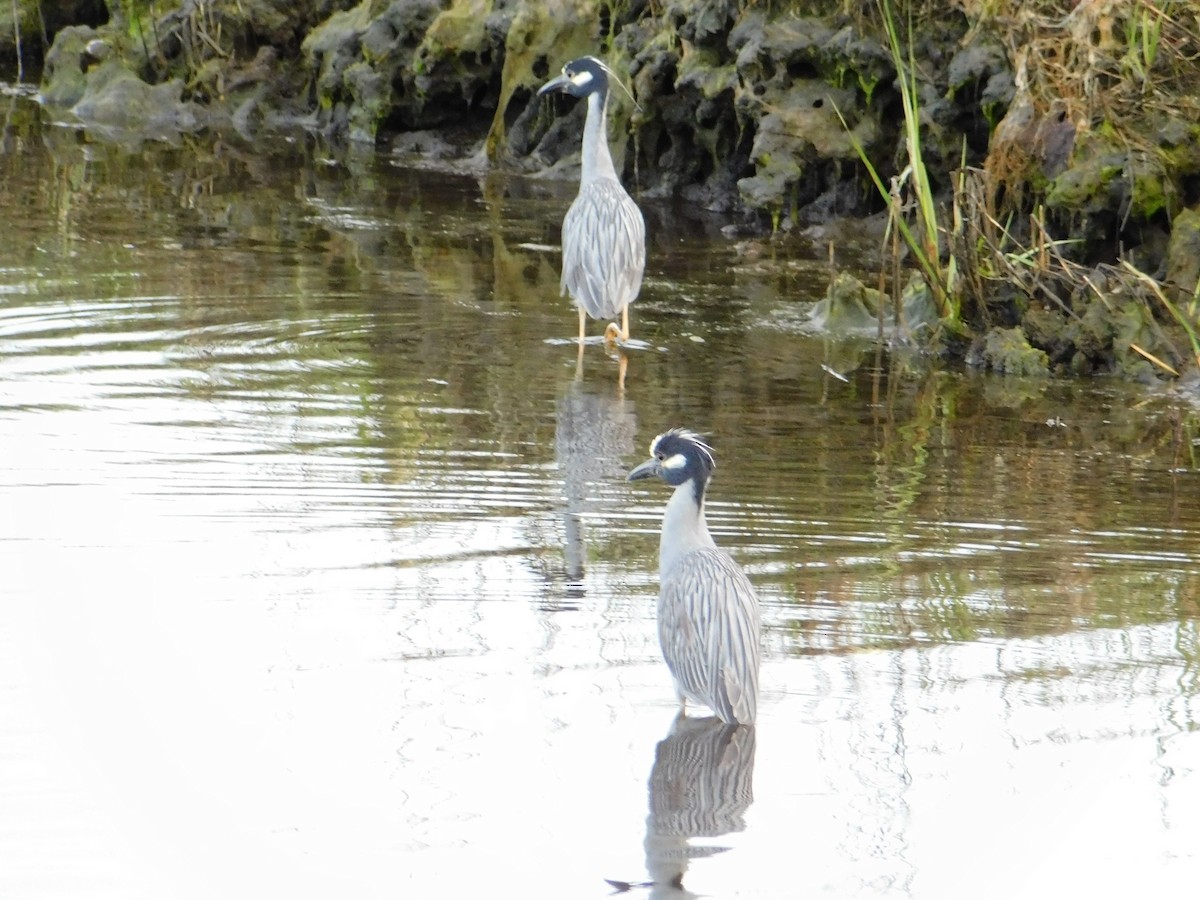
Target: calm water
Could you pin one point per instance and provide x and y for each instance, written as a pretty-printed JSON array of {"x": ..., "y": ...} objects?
[{"x": 320, "y": 577}]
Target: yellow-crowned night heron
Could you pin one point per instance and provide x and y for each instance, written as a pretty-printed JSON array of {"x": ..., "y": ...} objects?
[
  {"x": 708, "y": 618},
  {"x": 603, "y": 234}
]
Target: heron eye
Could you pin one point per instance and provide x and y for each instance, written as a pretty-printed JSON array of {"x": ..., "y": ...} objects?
[{"x": 660, "y": 456}]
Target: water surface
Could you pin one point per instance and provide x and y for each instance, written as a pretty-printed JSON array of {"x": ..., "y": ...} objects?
[{"x": 321, "y": 577}]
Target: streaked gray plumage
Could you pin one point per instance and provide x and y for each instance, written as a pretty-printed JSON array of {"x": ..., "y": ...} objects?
[
  {"x": 603, "y": 233},
  {"x": 708, "y": 617}
]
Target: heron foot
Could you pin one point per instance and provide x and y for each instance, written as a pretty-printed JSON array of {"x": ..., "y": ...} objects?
[{"x": 614, "y": 335}]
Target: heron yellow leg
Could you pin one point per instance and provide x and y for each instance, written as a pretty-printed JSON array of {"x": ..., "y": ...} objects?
[
  {"x": 582, "y": 325},
  {"x": 624, "y": 323}
]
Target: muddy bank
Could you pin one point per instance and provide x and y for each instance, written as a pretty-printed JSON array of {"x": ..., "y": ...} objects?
[{"x": 771, "y": 115}]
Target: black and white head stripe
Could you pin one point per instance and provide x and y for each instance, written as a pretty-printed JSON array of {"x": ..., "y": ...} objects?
[
  {"x": 581, "y": 77},
  {"x": 666, "y": 448},
  {"x": 677, "y": 457},
  {"x": 583, "y": 71}
]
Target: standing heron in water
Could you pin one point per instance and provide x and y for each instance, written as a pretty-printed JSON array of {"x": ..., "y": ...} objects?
[
  {"x": 708, "y": 617},
  {"x": 603, "y": 234}
]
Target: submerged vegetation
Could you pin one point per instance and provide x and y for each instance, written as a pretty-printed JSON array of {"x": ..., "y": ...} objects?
[{"x": 1036, "y": 164}]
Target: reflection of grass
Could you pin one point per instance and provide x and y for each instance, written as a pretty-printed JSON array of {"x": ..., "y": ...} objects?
[{"x": 954, "y": 539}]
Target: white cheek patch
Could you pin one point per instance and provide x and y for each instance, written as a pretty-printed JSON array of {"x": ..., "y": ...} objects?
[
  {"x": 579, "y": 79},
  {"x": 678, "y": 461}
]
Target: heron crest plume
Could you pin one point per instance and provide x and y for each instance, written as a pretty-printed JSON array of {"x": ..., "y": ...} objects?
[
  {"x": 684, "y": 434},
  {"x": 617, "y": 78}
]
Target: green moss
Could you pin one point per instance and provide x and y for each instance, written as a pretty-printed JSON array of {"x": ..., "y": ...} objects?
[
  {"x": 1183, "y": 255},
  {"x": 1006, "y": 350},
  {"x": 993, "y": 112},
  {"x": 1085, "y": 183},
  {"x": 701, "y": 70},
  {"x": 460, "y": 29},
  {"x": 1133, "y": 324},
  {"x": 1179, "y": 146},
  {"x": 539, "y": 31},
  {"x": 848, "y": 305},
  {"x": 867, "y": 84},
  {"x": 1154, "y": 189}
]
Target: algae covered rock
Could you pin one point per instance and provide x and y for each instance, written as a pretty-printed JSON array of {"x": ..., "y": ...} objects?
[
  {"x": 799, "y": 88},
  {"x": 850, "y": 307},
  {"x": 1006, "y": 350},
  {"x": 64, "y": 72},
  {"x": 1183, "y": 255},
  {"x": 1112, "y": 182},
  {"x": 359, "y": 58},
  {"x": 116, "y": 99},
  {"x": 1046, "y": 329},
  {"x": 541, "y": 38},
  {"x": 87, "y": 78}
]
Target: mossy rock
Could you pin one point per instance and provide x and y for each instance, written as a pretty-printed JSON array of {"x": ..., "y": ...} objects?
[
  {"x": 1091, "y": 331},
  {"x": 849, "y": 306},
  {"x": 1106, "y": 331},
  {"x": 1007, "y": 350},
  {"x": 1183, "y": 256},
  {"x": 64, "y": 72},
  {"x": 333, "y": 47},
  {"x": 704, "y": 71},
  {"x": 87, "y": 77},
  {"x": 1045, "y": 328},
  {"x": 455, "y": 32},
  {"x": 1179, "y": 143},
  {"x": 1134, "y": 325},
  {"x": 538, "y": 32},
  {"x": 704, "y": 23},
  {"x": 1106, "y": 178}
]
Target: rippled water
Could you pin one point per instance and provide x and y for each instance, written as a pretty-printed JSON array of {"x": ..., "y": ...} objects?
[{"x": 321, "y": 577}]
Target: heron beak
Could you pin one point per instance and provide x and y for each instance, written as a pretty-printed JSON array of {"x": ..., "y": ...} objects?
[
  {"x": 554, "y": 84},
  {"x": 649, "y": 469}
]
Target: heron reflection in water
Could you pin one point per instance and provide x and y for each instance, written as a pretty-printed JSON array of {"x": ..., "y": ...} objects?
[
  {"x": 700, "y": 787},
  {"x": 595, "y": 431}
]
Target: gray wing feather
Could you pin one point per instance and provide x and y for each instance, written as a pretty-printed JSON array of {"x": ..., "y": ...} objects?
[
  {"x": 709, "y": 627},
  {"x": 604, "y": 249}
]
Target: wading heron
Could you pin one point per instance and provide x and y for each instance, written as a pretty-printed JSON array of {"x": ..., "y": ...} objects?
[
  {"x": 708, "y": 617},
  {"x": 603, "y": 234}
]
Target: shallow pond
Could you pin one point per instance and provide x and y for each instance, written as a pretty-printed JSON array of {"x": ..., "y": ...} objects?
[{"x": 321, "y": 577}]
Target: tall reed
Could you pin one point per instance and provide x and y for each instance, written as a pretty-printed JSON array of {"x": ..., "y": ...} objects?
[{"x": 923, "y": 237}]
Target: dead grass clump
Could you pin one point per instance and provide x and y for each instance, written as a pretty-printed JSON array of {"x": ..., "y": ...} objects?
[{"x": 1120, "y": 67}]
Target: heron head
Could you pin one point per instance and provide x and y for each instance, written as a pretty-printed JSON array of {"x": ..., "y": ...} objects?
[
  {"x": 677, "y": 456},
  {"x": 580, "y": 77}
]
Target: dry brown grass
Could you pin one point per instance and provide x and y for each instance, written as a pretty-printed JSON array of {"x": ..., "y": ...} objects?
[{"x": 1120, "y": 66}]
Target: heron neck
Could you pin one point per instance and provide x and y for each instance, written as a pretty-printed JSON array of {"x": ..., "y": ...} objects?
[
  {"x": 684, "y": 528},
  {"x": 597, "y": 160}
]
